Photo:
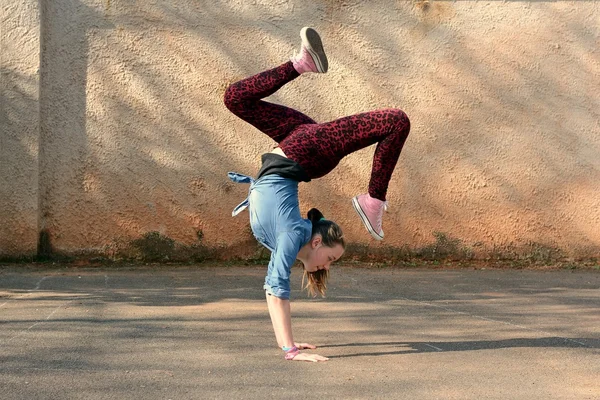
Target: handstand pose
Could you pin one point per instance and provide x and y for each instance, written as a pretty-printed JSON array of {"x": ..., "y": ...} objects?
[{"x": 307, "y": 150}]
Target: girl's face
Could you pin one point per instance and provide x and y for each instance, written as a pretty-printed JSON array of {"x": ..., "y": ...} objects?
[{"x": 320, "y": 256}]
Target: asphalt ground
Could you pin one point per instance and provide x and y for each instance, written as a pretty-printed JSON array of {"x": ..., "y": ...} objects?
[{"x": 203, "y": 332}]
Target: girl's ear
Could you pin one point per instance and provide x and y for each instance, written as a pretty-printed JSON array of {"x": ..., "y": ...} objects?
[{"x": 317, "y": 240}]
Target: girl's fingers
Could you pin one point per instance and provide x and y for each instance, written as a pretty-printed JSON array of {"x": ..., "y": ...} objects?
[{"x": 310, "y": 357}]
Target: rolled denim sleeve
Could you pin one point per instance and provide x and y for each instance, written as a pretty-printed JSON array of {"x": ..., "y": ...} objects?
[{"x": 277, "y": 282}]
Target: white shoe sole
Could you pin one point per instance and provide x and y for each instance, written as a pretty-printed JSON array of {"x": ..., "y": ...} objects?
[
  {"x": 365, "y": 220},
  {"x": 312, "y": 41}
]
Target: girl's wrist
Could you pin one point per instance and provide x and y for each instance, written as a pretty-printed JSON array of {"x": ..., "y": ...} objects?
[{"x": 290, "y": 353}]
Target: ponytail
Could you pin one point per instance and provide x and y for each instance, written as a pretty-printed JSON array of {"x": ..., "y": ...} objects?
[{"x": 331, "y": 235}]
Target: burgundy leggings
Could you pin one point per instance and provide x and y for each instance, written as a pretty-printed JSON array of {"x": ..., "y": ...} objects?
[{"x": 318, "y": 148}]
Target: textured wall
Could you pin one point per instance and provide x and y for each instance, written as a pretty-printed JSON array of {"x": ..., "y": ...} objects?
[
  {"x": 19, "y": 126},
  {"x": 502, "y": 96}
]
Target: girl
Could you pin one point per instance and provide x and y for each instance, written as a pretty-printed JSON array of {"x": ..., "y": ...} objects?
[{"x": 307, "y": 150}]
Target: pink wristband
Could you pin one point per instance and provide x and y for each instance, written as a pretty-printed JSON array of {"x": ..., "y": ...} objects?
[{"x": 291, "y": 353}]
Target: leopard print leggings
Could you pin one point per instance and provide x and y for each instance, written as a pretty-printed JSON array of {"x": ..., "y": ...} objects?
[{"x": 318, "y": 148}]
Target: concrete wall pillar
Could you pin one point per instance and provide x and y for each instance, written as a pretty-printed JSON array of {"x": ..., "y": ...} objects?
[{"x": 19, "y": 126}]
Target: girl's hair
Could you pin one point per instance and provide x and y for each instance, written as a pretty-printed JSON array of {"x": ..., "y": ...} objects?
[{"x": 331, "y": 235}]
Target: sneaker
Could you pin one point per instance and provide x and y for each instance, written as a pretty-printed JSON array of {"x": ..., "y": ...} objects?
[
  {"x": 370, "y": 211},
  {"x": 312, "y": 56}
]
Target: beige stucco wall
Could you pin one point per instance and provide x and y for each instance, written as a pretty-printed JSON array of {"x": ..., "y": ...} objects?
[
  {"x": 502, "y": 96},
  {"x": 19, "y": 126}
]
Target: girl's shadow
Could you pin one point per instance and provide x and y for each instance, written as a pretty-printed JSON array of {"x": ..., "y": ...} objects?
[{"x": 433, "y": 347}]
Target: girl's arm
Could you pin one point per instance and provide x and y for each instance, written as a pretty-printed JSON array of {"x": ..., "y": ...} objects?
[{"x": 279, "y": 310}]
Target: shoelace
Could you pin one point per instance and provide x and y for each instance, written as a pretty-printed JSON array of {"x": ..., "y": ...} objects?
[
  {"x": 301, "y": 57},
  {"x": 380, "y": 215},
  {"x": 379, "y": 219}
]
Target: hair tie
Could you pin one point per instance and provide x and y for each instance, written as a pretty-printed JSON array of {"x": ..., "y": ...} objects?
[{"x": 322, "y": 219}]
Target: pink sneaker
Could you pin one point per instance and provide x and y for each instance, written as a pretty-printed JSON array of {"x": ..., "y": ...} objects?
[
  {"x": 370, "y": 211},
  {"x": 312, "y": 57}
]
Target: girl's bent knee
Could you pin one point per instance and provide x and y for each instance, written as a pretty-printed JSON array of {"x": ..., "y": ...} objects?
[
  {"x": 230, "y": 98},
  {"x": 400, "y": 120}
]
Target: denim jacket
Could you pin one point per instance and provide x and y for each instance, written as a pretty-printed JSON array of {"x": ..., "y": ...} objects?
[{"x": 277, "y": 224}]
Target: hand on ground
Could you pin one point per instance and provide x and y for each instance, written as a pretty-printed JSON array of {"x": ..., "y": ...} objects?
[{"x": 309, "y": 357}]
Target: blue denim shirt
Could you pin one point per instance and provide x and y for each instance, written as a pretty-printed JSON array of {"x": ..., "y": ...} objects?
[{"x": 277, "y": 224}]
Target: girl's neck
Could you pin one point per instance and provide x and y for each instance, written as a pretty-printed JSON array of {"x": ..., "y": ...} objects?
[{"x": 303, "y": 253}]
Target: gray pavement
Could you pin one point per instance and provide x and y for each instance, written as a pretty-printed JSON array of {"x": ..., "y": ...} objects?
[{"x": 203, "y": 332}]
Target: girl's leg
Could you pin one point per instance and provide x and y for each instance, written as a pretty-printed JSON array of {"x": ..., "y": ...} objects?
[
  {"x": 243, "y": 98},
  {"x": 319, "y": 148}
]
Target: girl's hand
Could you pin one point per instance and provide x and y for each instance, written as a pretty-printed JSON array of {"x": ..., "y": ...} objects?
[
  {"x": 309, "y": 357},
  {"x": 303, "y": 346}
]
